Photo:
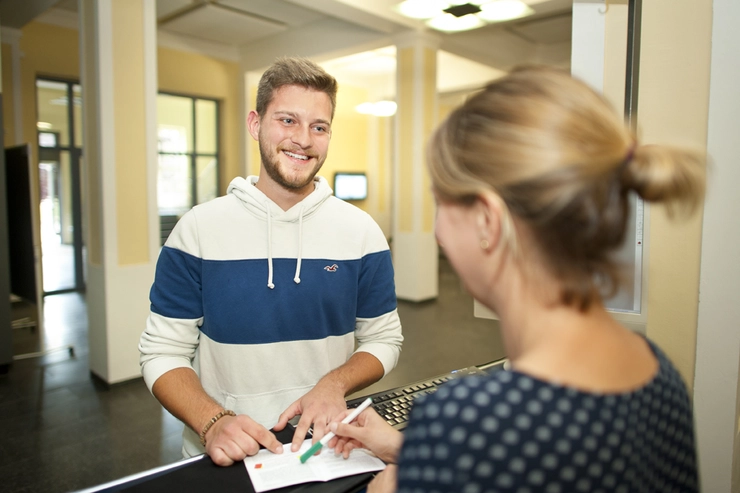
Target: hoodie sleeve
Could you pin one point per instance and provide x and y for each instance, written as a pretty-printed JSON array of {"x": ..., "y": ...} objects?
[
  {"x": 377, "y": 327},
  {"x": 172, "y": 331}
]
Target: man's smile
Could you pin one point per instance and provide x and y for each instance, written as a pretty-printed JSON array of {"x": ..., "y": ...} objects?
[{"x": 293, "y": 155}]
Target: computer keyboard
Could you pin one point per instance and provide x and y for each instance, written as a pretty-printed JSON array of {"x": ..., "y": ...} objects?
[{"x": 394, "y": 405}]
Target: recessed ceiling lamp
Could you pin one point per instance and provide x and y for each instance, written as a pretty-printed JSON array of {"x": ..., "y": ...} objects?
[
  {"x": 454, "y": 16},
  {"x": 379, "y": 108}
]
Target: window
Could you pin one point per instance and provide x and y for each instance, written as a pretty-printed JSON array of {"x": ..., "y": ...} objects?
[{"x": 188, "y": 136}]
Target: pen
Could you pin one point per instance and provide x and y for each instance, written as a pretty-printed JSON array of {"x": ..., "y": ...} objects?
[{"x": 350, "y": 417}]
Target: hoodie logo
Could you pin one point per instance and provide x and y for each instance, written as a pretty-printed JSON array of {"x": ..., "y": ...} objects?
[{"x": 331, "y": 268}]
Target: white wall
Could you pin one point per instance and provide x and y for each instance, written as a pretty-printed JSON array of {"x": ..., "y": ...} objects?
[{"x": 718, "y": 335}]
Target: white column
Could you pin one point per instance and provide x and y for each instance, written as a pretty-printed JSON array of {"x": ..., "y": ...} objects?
[
  {"x": 415, "y": 253},
  {"x": 119, "y": 81},
  {"x": 718, "y": 336}
]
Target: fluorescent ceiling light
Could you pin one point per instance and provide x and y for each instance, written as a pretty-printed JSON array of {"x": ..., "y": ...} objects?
[
  {"x": 504, "y": 10},
  {"x": 450, "y": 23},
  {"x": 380, "y": 108},
  {"x": 43, "y": 125},
  {"x": 421, "y": 9}
]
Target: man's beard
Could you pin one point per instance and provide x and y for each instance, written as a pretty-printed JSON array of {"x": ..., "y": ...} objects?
[{"x": 271, "y": 164}]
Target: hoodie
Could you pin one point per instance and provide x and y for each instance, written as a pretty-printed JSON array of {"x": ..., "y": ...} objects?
[{"x": 262, "y": 302}]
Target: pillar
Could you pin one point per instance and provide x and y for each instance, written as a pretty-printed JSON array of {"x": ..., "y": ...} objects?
[
  {"x": 119, "y": 82},
  {"x": 415, "y": 252}
]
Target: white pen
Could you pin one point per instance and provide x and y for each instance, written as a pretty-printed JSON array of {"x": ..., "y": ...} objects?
[{"x": 350, "y": 417}]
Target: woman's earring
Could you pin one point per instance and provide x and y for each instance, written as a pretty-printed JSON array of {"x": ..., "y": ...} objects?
[{"x": 484, "y": 244}]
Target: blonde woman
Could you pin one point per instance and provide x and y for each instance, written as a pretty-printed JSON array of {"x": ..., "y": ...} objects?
[{"x": 532, "y": 177}]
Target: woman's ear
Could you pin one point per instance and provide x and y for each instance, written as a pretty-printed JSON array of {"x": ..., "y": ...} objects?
[{"x": 489, "y": 210}]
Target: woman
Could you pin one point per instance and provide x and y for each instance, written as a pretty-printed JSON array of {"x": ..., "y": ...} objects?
[{"x": 531, "y": 178}]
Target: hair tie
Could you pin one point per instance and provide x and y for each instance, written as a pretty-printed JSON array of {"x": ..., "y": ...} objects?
[{"x": 630, "y": 154}]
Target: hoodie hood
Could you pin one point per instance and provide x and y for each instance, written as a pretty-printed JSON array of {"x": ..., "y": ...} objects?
[{"x": 260, "y": 205}]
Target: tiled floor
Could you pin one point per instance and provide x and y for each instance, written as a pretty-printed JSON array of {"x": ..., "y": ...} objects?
[{"x": 63, "y": 431}]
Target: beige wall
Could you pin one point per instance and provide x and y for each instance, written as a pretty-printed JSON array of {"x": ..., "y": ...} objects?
[
  {"x": 673, "y": 109},
  {"x": 129, "y": 109},
  {"x": 348, "y": 150},
  {"x": 405, "y": 171}
]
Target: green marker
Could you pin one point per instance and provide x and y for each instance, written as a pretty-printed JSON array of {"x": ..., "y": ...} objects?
[{"x": 350, "y": 417}]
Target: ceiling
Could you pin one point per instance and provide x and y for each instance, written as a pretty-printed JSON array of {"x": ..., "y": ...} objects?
[{"x": 334, "y": 32}]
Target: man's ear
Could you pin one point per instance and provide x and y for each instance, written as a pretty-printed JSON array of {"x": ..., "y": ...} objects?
[
  {"x": 489, "y": 216},
  {"x": 253, "y": 124}
]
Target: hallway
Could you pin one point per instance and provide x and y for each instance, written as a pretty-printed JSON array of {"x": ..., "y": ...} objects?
[{"x": 64, "y": 430}]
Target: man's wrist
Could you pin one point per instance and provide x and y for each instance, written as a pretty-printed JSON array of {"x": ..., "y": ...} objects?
[{"x": 219, "y": 415}]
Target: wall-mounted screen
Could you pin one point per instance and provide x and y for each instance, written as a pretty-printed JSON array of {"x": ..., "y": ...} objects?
[{"x": 350, "y": 186}]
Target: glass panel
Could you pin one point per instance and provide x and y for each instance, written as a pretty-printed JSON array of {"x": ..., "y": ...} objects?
[
  {"x": 207, "y": 176},
  {"x": 52, "y": 109},
  {"x": 175, "y": 123},
  {"x": 57, "y": 248},
  {"x": 206, "y": 127},
  {"x": 77, "y": 95},
  {"x": 174, "y": 194}
]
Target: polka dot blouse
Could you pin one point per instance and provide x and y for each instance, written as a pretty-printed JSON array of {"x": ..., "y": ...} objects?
[{"x": 507, "y": 432}]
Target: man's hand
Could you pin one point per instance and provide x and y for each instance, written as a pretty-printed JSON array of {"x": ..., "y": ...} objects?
[
  {"x": 317, "y": 407},
  {"x": 232, "y": 438},
  {"x": 326, "y": 400}
]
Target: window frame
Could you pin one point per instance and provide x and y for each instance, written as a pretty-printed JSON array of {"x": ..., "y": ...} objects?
[{"x": 195, "y": 154}]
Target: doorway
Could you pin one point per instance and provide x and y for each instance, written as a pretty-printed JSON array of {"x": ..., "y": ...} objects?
[{"x": 59, "y": 125}]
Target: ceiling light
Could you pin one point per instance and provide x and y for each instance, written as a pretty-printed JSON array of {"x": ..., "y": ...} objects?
[
  {"x": 462, "y": 9},
  {"x": 380, "y": 108},
  {"x": 504, "y": 10},
  {"x": 421, "y": 9},
  {"x": 43, "y": 125},
  {"x": 463, "y": 15},
  {"x": 450, "y": 23}
]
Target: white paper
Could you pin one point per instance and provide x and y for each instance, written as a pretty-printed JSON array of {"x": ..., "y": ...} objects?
[{"x": 269, "y": 471}]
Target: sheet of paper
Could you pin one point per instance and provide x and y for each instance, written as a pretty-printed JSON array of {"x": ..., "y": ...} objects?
[{"x": 269, "y": 471}]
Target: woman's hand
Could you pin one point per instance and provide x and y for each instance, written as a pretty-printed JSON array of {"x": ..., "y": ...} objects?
[
  {"x": 368, "y": 431},
  {"x": 385, "y": 481}
]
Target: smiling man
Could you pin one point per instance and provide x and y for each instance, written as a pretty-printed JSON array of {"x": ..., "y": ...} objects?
[{"x": 277, "y": 299}]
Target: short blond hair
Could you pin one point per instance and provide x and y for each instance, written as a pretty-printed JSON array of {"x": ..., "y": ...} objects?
[
  {"x": 297, "y": 71},
  {"x": 563, "y": 163}
]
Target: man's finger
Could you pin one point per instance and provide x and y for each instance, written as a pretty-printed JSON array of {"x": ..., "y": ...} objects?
[
  {"x": 292, "y": 411},
  {"x": 300, "y": 433},
  {"x": 263, "y": 437},
  {"x": 219, "y": 457},
  {"x": 319, "y": 430}
]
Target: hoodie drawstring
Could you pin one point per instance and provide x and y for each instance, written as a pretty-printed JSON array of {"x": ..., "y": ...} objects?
[
  {"x": 269, "y": 249},
  {"x": 297, "y": 278}
]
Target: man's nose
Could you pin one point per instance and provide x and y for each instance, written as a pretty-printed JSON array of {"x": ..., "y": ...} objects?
[{"x": 302, "y": 136}]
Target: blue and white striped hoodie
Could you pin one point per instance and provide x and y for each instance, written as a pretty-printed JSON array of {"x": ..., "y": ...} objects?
[{"x": 262, "y": 302}]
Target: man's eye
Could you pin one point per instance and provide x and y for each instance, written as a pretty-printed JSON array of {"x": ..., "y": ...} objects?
[
  {"x": 320, "y": 129},
  {"x": 287, "y": 120}
]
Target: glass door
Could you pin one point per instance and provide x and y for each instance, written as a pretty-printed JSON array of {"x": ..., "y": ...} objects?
[{"x": 60, "y": 151}]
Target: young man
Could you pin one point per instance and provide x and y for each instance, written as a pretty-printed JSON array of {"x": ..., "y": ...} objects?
[{"x": 277, "y": 299}]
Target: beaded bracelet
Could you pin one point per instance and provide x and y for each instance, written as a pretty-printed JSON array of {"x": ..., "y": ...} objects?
[{"x": 213, "y": 420}]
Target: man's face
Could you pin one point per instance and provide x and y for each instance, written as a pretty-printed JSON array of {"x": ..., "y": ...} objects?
[{"x": 293, "y": 134}]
